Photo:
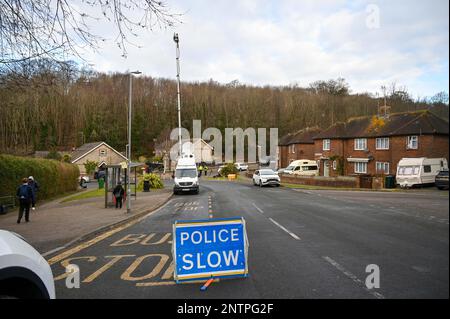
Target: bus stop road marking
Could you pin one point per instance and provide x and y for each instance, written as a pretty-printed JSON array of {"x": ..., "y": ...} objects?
[{"x": 99, "y": 238}]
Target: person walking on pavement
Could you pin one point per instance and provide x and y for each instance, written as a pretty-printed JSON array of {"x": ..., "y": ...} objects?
[
  {"x": 118, "y": 194},
  {"x": 200, "y": 170},
  {"x": 26, "y": 197},
  {"x": 205, "y": 169},
  {"x": 35, "y": 188}
]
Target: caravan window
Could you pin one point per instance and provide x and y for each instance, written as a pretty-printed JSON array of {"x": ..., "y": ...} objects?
[
  {"x": 310, "y": 168},
  {"x": 427, "y": 169},
  {"x": 409, "y": 170}
]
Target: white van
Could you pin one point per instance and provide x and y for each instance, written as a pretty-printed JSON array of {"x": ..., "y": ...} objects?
[
  {"x": 302, "y": 167},
  {"x": 419, "y": 171},
  {"x": 186, "y": 175}
]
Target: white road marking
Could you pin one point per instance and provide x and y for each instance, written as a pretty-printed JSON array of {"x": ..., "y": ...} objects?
[
  {"x": 287, "y": 231},
  {"x": 353, "y": 277},
  {"x": 259, "y": 209}
]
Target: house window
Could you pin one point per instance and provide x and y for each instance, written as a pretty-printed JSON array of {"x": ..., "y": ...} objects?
[
  {"x": 102, "y": 152},
  {"x": 360, "y": 167},
  {"x": 382, "y": 167},
  {"x": 382, "y": 143},
  {"x": 412, "y": 142},
  {"x": 334, "y": 165},
  {"x": 360, "y": 144},
  {"x": 326, "y": 145}
]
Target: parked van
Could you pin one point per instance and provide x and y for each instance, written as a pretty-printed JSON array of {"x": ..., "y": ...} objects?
[
  {"x": 419, "y": 171},
  {"x": 186, "y": 175},
  {"x": 303, "y": 168}
]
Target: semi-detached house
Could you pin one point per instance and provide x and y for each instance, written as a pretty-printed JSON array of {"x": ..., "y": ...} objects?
[
  {"x": 375, "y": 145},
  {"x": 299, "y": 145}
]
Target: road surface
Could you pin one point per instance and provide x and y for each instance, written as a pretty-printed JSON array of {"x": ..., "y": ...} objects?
[{"x": 303, "y": 244}]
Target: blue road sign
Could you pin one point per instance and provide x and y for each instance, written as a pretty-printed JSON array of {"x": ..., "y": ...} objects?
[{"x": 212, "y": 248}]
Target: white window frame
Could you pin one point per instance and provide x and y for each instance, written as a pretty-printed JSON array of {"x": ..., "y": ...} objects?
[
  {"x": 292, "y": 148},
  {"x": 360, "y": 144},
  {"x": 382, "y": 143},
  {"x": 326, "y": 144},
  {"x": 103, "y": 153},
  {"x": 358, "y": 166},
  {"x": 334, "y": 165},
  {"x": 382, "y": 167},
  {"x": 409, "y": 141}
]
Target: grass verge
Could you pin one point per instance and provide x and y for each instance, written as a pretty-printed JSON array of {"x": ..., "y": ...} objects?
[{"x": 84, "y": 195}]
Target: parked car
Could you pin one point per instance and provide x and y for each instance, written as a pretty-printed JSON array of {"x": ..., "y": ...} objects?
[
  {"x": 419, "y": 171},
  {"x": 265, "y": 177},
  {"x": 24, "y": 273},
  {"x": 241, "y": 166},
  {"x": 302, "y": 167},
  {"x": 442, "y": 180}
]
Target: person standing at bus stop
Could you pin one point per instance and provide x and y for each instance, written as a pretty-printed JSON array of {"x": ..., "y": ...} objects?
[
  {"x": 26, "y": 197},
  {"x": 118, "y": 193}
]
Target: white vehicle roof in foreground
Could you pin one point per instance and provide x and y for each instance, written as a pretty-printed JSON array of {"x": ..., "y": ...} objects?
[{"x": 15, "y": 252}]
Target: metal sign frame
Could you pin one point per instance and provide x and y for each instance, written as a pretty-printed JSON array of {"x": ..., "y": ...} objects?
[{"x": 216, "y": 274}]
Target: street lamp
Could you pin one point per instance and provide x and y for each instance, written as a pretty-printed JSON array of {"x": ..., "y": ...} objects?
[
  {"x": 129, "y": 143},
  {"x": 177, "y": 40}
]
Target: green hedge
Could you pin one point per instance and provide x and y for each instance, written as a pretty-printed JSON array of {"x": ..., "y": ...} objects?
[{"x": 53, "y": 177}]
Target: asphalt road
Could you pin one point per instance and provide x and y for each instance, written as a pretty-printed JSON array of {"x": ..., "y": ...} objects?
[{"x": 303, "y": 244}]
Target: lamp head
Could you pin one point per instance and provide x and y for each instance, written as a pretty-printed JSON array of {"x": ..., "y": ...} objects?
[{"x": 175, "y": 38}]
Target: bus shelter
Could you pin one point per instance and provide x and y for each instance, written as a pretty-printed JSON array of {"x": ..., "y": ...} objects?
[{"x": 120, "y": 173}]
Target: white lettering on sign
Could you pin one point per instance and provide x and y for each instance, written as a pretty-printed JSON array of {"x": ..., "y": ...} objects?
[
  {"x": 213, "y": 259},
  {"x": 184, "y": 236},
  {"x": 205, "y": 237},
  {"x": 187, "y": 261}
]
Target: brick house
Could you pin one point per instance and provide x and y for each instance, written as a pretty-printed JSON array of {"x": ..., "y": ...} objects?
[
  {"x": 299, "y": 145},
  {"x": 375, "y": 145},
  {"x": 99, "y": 152}
]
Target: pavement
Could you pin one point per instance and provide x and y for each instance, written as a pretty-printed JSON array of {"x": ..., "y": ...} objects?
[
  {"x": 303, "y": 244},
  {"x": 54, "y": 225}
]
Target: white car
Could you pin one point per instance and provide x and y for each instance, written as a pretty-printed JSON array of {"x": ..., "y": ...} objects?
[
  {"x": 265, "y": 177},
  {"x": 24, "y": 273},
  {"x": 241, "y": 166}
]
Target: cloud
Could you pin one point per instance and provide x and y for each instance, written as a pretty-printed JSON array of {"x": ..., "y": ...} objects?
[{"x": 282, "y": 42}]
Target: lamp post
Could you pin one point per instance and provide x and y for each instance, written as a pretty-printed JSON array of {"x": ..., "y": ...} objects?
[
  {"x": 129, "y": 142},
  {"x": 177, "y": 40}
]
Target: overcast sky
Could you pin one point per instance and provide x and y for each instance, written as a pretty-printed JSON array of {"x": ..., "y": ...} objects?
[{"x": 369, "y": 43}]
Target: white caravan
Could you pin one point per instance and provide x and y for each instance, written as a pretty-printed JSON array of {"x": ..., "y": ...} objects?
[
  {"x": 302, "y": 167},
  {"x": 186, "y": 175},
  {"x": 419, "y": 171}
]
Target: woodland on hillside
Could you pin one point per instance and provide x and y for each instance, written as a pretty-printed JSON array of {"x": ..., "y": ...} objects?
[{"x": 48, "y": 105}]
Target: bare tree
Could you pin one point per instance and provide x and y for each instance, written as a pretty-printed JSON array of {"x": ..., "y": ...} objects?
[{"x": 55, "y": 28}]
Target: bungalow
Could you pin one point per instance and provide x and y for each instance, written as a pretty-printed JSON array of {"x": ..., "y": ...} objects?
[
  {"x": 299, "y": 145},
  {"x": 375, "y": 145},
  {"x": 99, "y": 152}
]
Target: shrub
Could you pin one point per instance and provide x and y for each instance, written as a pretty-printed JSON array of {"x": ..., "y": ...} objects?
[
  {"x": 53, "y": 177},
  {"x": 229, "y": 168},
  {"x": 90, "y": 167},
  {"x": 155, "y": 182},
  {"x": 54, "y": 155}
]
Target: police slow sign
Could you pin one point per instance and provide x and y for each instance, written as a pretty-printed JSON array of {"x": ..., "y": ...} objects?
[{"x": 213, "y": 248}]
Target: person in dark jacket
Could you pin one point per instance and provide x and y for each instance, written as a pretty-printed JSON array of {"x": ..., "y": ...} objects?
[
  {"x": 35, "y": 188},
  {"x": 118, "y": 193},
  {"x": 26, "y": 197}
]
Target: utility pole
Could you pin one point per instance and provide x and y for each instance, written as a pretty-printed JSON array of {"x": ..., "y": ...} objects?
[
  {"x": 128, "y": 186},
  {"x": 177, "y": 40}
]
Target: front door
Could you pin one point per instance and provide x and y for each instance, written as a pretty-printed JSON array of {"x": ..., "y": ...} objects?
[{"x": 326, "y": 168}]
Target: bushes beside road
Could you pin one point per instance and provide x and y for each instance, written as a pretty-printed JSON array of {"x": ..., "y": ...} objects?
[{"x": 53, "y": 177}]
